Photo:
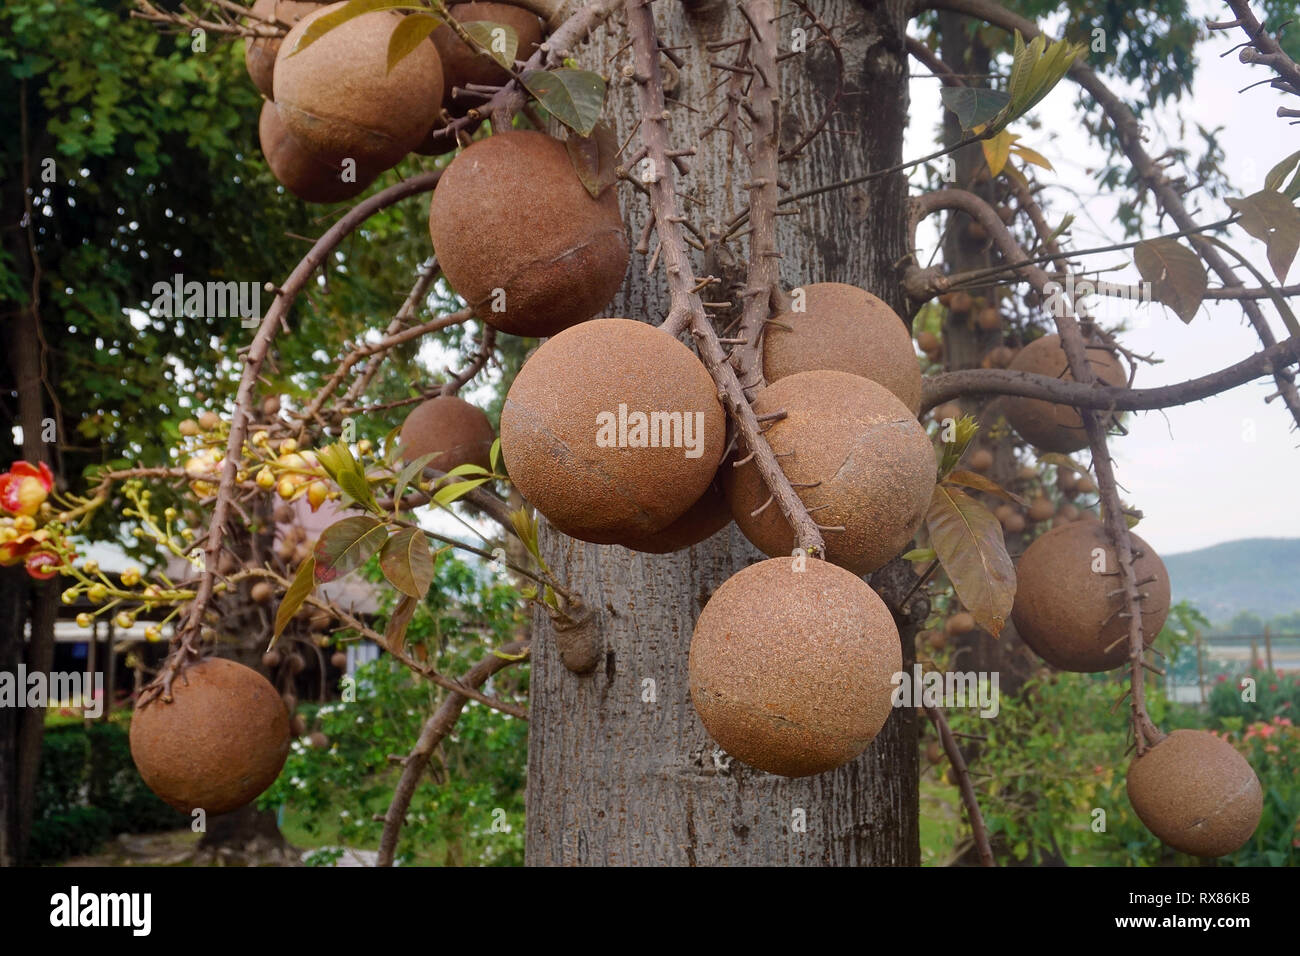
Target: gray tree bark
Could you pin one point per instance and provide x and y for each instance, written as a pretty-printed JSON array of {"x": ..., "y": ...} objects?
[{"x": 621, "y": 771}]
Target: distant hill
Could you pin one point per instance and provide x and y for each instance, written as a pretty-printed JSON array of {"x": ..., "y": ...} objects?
[{"x": 1255, "y": 574}]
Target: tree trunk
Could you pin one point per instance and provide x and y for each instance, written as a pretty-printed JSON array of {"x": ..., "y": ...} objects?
[{"x": 620, "y": 769}]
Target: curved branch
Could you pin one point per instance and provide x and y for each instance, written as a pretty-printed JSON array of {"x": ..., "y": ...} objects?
[
  {"x": 949, "y": 385},
  {"x": 436, "y": 728},
  {"x": 186, "y": 647},
  {"x": 1129, "y": 135}
]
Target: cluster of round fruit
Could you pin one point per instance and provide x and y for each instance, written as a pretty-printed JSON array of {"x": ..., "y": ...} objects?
[{"x": 336, "y": 116}]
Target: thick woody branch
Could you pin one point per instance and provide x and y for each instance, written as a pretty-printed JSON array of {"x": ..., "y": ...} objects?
[
  {"x": 1263, "y": 48},
  {"x": 435, "y": 730},
  {"x": 949, "y": 385},
  {"x": 687, "y": 310},
  {"x": 187, "y": 649}
]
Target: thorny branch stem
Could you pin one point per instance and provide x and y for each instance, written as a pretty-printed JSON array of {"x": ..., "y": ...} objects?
[
  {"x": 978, "y": 831},
  {"x": 687, "y": 310}
]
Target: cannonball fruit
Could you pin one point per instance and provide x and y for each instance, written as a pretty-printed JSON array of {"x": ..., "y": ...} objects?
[
  {"x": 521, "y": 240},
  {"x": 856, "y": 456},
  {"x": 1041, "y": 509},
  {"x": 612, "y": 429},
  {"x": 462, "y": 65},
  {"x": 701, "y": 521},
  {"x": 217, "y": 744},
  {"x": 339, "y": 99},
  {"x": 459, "y": 432},
  {"x": 261, "y": 591},
  {"x": 1196, "y": 793},
  {"x": 340, "y": 660},
  {"x": 791, "y": 666},
  {"x": 1064, "y": 609},
  {"x": 1045, "y": 425},
  {"x": 299, "y": 170},
  {"x": 981, "y": 459},
  {"x": 845, "y": 329},
  {"x": 260, "y": 52}
]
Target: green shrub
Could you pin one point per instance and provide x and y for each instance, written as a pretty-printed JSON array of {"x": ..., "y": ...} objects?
[{"x": 88, "y": 790}]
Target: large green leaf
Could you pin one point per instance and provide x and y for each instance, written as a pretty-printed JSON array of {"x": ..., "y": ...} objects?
[
  {"x": 499, "y": 40},
  {"x": 303, "y": 584},
  {"x": 1176, "y": 275},
  {"x": 408, "y": 35},
  {"x": 574, "y": 97},
  {"x": 968, "y": 540},
  {"x": 1278, "y": 173},
  {"x": 974, "y": 106},
  {"x": 352, "y": 9},
  {"x": 348, "y": 544},
  {"x": 407, "y": 562}
]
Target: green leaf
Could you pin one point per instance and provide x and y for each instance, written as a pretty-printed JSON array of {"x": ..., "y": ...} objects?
[
  {"x": 594, "y": 158},
  {"x": 395, "y": 632},
  {"x": 468, "y": 469},
  {"x": 348, "y": 474},
  {"x": 407, "y": 562},
  {"x": 968, "y": 540},
  {"x": 525, "y": 525},
  {"x": 348, "y": 544},
  {"x": 964, "y": 431},
  {"x": 304, "y": 582},
  {"x": 970, "y": 479},
  {"x": 920, "y": 554},
  {"x": 410, "y": 471},
  {"x": 408, "y": 35},
  {"x": 354, "y": 8},
  {"x": 498, "y": 40},
  {"x": 1273, "y": 181},
  {"x": 1176, "y": 275},
  {"x": 974, "y": 106},
  {"x": 1271, "y": 218},
  {"x": 494, "y": 456},
  {"x": 449, "y": 493},
  {"x": 574, "y": 97}
]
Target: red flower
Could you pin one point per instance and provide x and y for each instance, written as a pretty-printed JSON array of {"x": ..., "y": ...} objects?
[
  {"x": 1272, "y": 686},
  {"x": 24, "y": 487},
  {"x": 43, "y": 565}
]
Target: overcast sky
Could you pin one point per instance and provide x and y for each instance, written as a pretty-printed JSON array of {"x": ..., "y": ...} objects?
[{"x": 1221, "y": 469}]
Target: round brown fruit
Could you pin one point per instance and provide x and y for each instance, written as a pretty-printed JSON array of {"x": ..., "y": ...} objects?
[
  {"x": 981, "y": 460},
  {"x": 460, "y": 434},
  {"x": 340, "y": 660},
  {"x": 339, "y": 99},
  {"x": 217, "y": 744},
  {"x": 1067, "y": 513},
  {"x": 844, "y": 329},
  {"x": 928, "y": 342},
  {"x": 318, "y": 740},
  {"x": 1003, "y": 513},
  {"x": 261, "y": 591},
  {"x": 999, "y": 357},
  {"x": 298, "y": 724},
  {"x": 946, "y": 411},
  {"x": 937, "y": 640},
  {"x": 271, "y": 659},
  {"x": 1015, "y": 523},
  {"x": 1196, "y": 793},
  {"x": 933, "y": 752},
  {"x": 989, "y": 319},
  {"x": 1041, "y": 509},
  {"x": 260, "y": 52},
  {"x": 791, "y": 669},
  {"x": 1086, "y": 486},
  {"x": 521, "y": 240},
  {"x": 298, "y": 170},
  {"x": 461, "y": 65},
  {"x": 1064, "y": 609},
  {"x": 854, "y": 453},
  {"x": 961, "y": 302},
  {"x": 1046, "y": 425},
  {"x": 561, "y": 424},
  {"x": 963, "y": 622},
  {"x": 701, "y": 521}
]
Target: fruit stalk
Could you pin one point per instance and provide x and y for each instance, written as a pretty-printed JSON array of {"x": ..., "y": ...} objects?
[{"x": 687, "y": 309}]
